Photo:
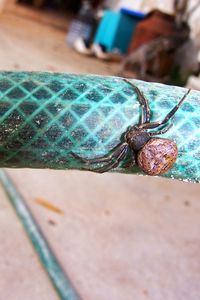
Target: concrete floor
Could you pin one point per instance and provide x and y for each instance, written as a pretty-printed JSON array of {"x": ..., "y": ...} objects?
[{"x": 119, "y": 236}]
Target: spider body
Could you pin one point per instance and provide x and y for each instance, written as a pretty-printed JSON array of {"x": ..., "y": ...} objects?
[
  {"x": 153, "y": 155},
  {"x": 157, "y": 156},
  {"x": 136, "y": 138}
]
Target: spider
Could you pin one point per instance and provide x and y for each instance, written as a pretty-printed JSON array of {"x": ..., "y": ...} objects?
[{"x": 153, "y": 155}]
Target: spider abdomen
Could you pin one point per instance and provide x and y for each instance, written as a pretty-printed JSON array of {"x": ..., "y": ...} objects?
[{"x": 157, "y": 156}]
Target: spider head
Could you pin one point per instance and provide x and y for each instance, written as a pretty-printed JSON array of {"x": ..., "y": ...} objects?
[{"x": 137, "y": 138}]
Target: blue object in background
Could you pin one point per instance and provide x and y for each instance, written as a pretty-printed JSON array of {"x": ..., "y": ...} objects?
[
  {"x": 137, "y": 15},
  {"x": 116, "y": 29}
]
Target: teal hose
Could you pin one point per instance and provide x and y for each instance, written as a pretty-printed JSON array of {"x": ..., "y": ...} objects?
[
  {"x": 55, "y": 272},
  {"x": 46, "y": 116}
]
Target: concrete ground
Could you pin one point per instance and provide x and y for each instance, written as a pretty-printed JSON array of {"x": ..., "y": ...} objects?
[{"x": 118, "y": 237}]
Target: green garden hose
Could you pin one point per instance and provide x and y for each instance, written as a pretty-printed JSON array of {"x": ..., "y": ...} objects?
[
  {"x": 58, "y": 277},
  {"x": 46, "y": 116}
]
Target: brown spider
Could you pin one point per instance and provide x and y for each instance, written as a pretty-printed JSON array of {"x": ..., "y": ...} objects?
[{"x": 154, "y": 156}]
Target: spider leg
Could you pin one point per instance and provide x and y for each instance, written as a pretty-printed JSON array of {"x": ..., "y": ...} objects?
[
  {"x": 162, "y": 131},
  {"x": 168, "y": 116},
  {"x": 145, "y": 117},
  {"x": 103, "y": 159},
  {"x": 112, "y": 164},
  {"x": 131, "y": 162}
]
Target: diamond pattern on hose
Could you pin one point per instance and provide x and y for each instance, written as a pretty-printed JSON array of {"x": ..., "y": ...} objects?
[{"x": 44, "y": 116}]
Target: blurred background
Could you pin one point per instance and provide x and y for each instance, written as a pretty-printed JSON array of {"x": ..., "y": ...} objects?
[
  {"x": 149, "y": 40},
  {"x": 116, "y": 236}
]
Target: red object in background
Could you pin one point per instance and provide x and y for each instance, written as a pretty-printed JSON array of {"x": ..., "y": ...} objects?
[{"x": 155, "y": 24}]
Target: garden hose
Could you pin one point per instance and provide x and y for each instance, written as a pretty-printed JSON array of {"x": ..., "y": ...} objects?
[{"x": 45, "y": 117}]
